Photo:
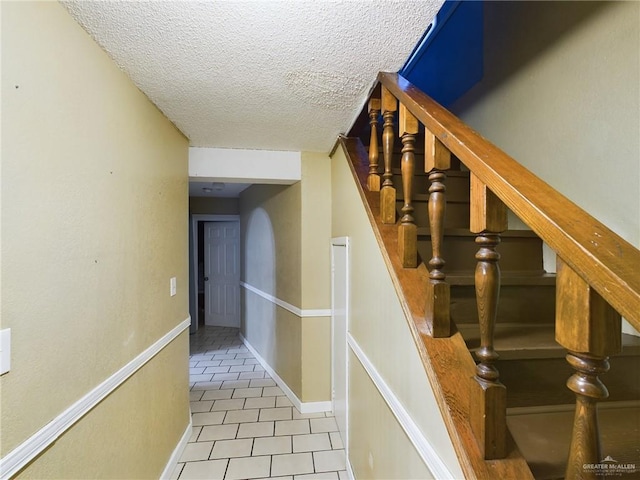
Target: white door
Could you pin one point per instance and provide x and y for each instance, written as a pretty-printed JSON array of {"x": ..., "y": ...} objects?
[
  {"x": 222, "y": 274},
  {"x": 339, "y": 328}
]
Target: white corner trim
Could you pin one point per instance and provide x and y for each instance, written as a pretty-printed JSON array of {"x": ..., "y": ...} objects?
[
  {"x": 306, "y": 407},
  {"x": 287, "y": 306},
  {"x": 177, "y": 452},
  {"x": 18, "y": 458},
  {"x": 429, "y": 456},
  {"x": 340, "y": 241}
]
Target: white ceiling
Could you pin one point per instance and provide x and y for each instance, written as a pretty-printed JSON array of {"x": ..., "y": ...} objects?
[
  {"x": 216, "y": 189},
  {"x": 257, "y": 74}
]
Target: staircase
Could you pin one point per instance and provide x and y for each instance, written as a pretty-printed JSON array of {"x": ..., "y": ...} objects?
[{"x": 483, "y": 305}]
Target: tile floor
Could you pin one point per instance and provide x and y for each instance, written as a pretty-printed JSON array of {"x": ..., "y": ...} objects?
[{"x": 244, "y": 427}]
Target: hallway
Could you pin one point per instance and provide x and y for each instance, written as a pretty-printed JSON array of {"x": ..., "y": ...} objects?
[{"x": 244, "y": 427}]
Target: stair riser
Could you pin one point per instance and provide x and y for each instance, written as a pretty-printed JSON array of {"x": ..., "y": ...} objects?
[
  {"x": 457, "y": 215},
  {"x": 530, "y": 304},
  {"x": 457, "y": 188},
  {"x": 542, "y": 382},
  {"x": 418, "y": 151},
  {"x": 517, "y": 253}
]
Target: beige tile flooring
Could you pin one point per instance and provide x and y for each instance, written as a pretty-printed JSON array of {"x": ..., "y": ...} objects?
[{"x": 244, "y": 427}]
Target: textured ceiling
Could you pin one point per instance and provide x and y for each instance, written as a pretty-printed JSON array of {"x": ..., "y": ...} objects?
[{"x": 268, "y": 74}]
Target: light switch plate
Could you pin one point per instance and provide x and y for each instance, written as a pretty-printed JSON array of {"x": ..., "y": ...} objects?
[
  {"x": 173, "y": 286},
  {"x": 5, "y": 350}
]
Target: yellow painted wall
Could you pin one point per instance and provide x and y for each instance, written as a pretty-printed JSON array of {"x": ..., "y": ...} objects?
[
  {"x": 271, "y": 259},
  {"x": 94, "y": 224},
  {"x": 561, "y": 94},
  {"x": 316, "y": 359},
  {"x": 378, "y": 325},
  {"x": 384, "y": 451},
  {"x": 270, "y": 222},
  {"x": 131, "y": 434},
  {"x": 316, "y": 276},
  {"x": 316, "y": 230},
  {"x": 286, "y": 232},
  {"x": 275, "y": 333}
]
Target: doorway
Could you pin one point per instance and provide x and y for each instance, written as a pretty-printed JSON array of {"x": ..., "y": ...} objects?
[
  {"x": 222, "y": 274},
  {"x": 214, "y": 253}
]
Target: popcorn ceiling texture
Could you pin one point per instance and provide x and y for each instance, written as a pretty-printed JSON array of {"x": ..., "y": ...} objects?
[{"x": 269, "y": 74}]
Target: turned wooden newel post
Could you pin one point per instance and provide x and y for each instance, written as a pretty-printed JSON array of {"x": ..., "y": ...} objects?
[
  {"x": 488, "y": 398},
  {"x": 407, "y": 231},
  {"x": 388, "y": 192},
  {"x": 590, "y": 330},
  {"x": 436, "y": 161},
  {"x": 373, "y": 180}
]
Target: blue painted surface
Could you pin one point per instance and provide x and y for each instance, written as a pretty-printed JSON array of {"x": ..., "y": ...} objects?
[{"x": 448, "y": 61}]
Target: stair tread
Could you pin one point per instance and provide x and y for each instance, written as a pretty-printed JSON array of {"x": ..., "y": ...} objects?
[
  {"x": 424, "y": 197},
  {"x": 464, "y": 232},
  {"x": 450, "y": 173},
  {"x": 544, "y": 438},
  {"x": 529, "y": 341},
  {"x": 507, "y": 278}
]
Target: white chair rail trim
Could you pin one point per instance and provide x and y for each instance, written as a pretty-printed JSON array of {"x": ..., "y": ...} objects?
[
  {"x": 18, "y": 458},
  {"x": 287, "y": 306}
]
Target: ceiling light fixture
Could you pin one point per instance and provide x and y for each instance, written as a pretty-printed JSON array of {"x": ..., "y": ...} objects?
[{"x": 207, "y": 190}]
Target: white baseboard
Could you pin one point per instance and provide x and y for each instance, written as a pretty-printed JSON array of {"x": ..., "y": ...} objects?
[
  {"x": 350, "y": 474},
  {"x": 315, "y": 407},
  {"x": 19, "y": 457},
  {"x": 303, "y": 407},
  {"x": 177, "y": 452}
]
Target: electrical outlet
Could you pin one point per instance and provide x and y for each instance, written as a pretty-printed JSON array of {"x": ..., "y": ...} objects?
[{"x": 173, "y": 286}]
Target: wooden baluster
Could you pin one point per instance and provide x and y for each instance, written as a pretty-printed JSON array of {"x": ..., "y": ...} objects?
[
  {"x": 590, "y": 330},
  {"x": 488, "y": 399},
  {"x": 373, "y": 181},
  {"x": 408, "y": 232},
  {"x": 437, "y": 312},
  {"x": 388, "y": 192}
]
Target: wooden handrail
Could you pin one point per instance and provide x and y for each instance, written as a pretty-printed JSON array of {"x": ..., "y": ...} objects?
[{"x": 603, "y": 259}]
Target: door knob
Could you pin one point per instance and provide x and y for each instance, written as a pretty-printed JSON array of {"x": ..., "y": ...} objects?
[{"x": 206, "y": 279}]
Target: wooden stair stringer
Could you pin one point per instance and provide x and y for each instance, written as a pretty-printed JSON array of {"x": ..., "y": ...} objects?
[{"x": 447, "y": 361}]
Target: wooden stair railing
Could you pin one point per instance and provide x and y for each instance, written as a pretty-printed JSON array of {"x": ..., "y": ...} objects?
[
  {"x": 489, "y": 417},
  {"x": 373, "y": 181},
  {"x": 388, "y": 192},
  {"x": 408, "y": 231},
  {"x": 590, "y": 330},
  {"x": 598, "y": 278},
  {"x": 437, "y": 161}
]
